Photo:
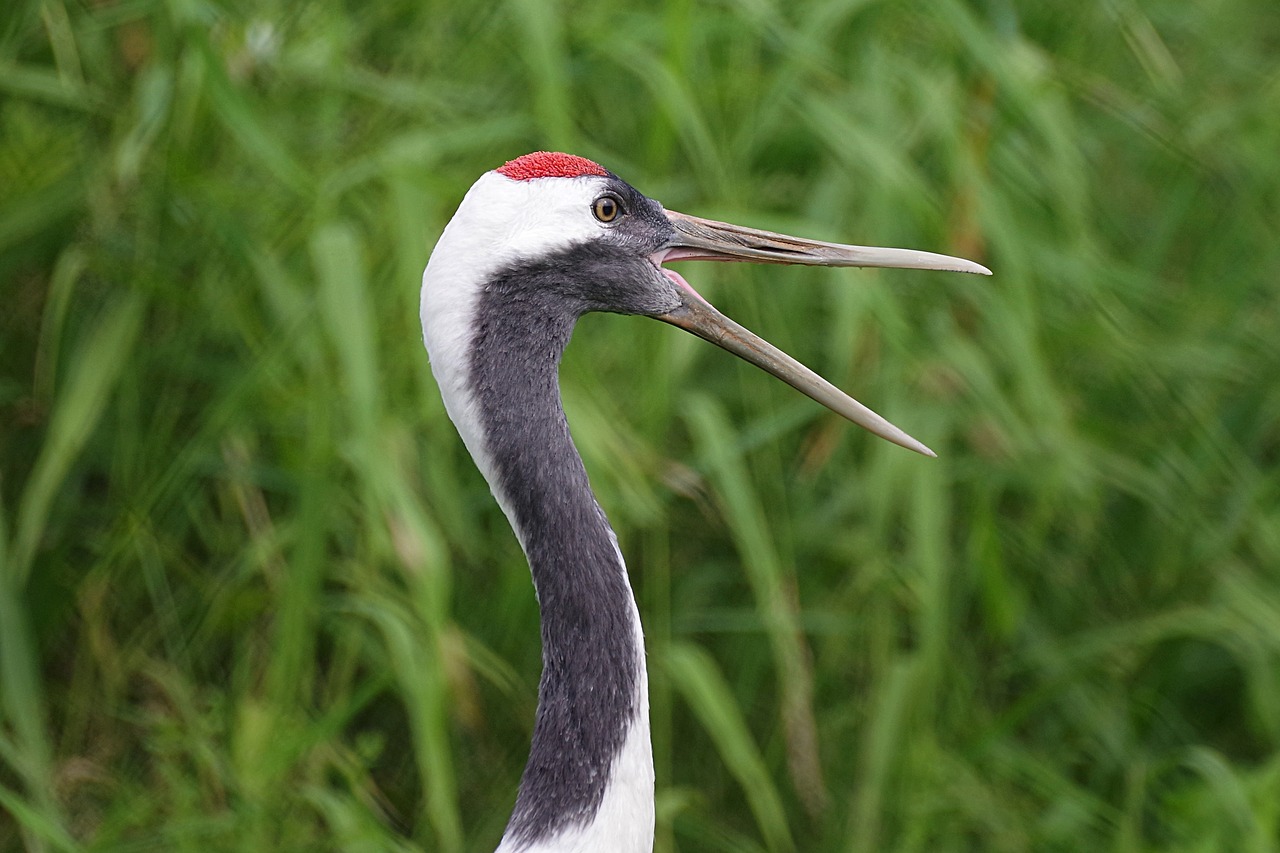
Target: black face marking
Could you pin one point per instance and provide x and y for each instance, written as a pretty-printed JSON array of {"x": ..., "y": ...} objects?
[
  {"x": 641, "y": 224},
  {"x": 611, "y": 273},
  {"x": 588, "y": 694}
]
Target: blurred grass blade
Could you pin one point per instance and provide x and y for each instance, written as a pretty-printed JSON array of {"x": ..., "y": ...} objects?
[
  {"x": 62, "y": 287},
  {"x": 24, "y": 215},
  {"x": 78, "y": 407},
  {"x": 22, "y": 705},
  {"x": 337, "y": 254},
  {"x": 540, "y": 25},
  {"x": 41, "y": 84},
  {"x": 882, "y": 740},
  {"x": 1226, "y": 788},
  {"x": 773, "y": 587},
  {"x": 420, "y": 673},
  {"x": 251, "y": 126},
  {"x": 695, "y": 675},
  {"x": 39, "y": 829}
]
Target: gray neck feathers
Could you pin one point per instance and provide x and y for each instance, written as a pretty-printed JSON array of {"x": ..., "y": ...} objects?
[{"x": 587, "y": 697}]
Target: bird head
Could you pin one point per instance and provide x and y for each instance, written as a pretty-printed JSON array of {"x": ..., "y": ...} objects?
[{"x": 565, "y": 236}]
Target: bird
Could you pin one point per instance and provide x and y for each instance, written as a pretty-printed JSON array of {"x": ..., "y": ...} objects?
[{"x": 533, "y": 246}]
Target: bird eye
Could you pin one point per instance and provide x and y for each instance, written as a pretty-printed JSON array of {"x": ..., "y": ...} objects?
[{"x": 606, "y": 208}]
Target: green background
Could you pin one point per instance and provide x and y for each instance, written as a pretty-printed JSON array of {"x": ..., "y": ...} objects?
[{"x": 254, "y": 595}]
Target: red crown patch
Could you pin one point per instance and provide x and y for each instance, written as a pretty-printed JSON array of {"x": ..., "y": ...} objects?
[{"x": 548, "y": 164}]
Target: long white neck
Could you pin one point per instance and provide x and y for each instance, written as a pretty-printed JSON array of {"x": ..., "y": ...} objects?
[{"x": 495, "y": 351}]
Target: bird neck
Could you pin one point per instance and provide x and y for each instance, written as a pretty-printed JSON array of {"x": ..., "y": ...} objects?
[{"x": 588, "y": 783}]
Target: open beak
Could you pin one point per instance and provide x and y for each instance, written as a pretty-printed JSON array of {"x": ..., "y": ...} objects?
[{"x": 707, "y": 240}]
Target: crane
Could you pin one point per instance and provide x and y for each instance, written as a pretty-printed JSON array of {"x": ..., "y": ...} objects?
[{"x": 534, "y": 245}]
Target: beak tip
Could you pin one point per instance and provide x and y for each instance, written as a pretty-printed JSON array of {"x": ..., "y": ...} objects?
[{"x": 919, "y": 447}]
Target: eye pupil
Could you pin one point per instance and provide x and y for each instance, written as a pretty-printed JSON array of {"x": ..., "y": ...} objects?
[{"x": 605, "y": 209}]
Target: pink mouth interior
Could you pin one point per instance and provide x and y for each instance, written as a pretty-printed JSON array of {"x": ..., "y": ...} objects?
[
  {"x": 680, "y": 280},
  {"x": 675, "y": 276}
]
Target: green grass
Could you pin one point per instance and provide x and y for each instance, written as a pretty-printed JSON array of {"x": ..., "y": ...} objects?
[{"x": 254, "y": 595}]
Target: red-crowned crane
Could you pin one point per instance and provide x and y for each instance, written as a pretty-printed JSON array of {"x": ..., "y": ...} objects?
[{"x": 534, "y": 245}]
